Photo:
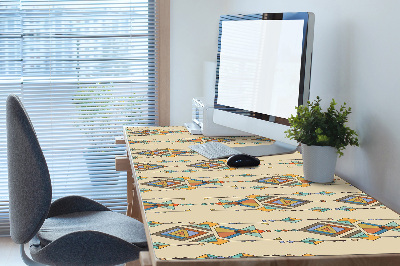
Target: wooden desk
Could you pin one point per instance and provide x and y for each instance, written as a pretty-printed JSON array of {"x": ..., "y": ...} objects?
[{"x": 202, "y": 211}]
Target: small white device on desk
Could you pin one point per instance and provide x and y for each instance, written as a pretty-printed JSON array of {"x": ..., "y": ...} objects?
[{"x": 202, "y": 122}]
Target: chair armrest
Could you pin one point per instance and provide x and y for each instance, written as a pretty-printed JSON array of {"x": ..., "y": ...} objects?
[{"x": 72, "y": 204}]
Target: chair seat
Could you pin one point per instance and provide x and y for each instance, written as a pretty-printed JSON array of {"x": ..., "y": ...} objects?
[{"x": 108, "y": 222}]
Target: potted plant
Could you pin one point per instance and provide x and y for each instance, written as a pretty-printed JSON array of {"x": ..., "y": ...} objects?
[{"x": 323, "y": 135}]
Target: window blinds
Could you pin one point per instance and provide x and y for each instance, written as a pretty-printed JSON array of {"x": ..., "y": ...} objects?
[{"x": 83, "y": 69}]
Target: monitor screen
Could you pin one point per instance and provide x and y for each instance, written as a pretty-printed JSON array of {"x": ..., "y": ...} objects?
[
  {"x": 260, "y": 63},
  {"x": 263, "y": 71}
]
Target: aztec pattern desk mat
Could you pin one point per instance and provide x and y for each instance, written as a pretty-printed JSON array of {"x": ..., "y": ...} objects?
[{"x": 198, "y": 208}]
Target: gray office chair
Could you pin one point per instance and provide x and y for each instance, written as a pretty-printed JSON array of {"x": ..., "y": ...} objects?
[{"x": 70, "y": 231}]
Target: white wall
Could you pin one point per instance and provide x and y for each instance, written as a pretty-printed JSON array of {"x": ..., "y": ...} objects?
[
  {"x": 194, "y": 41},
  {"x": 356, "y": 60}
]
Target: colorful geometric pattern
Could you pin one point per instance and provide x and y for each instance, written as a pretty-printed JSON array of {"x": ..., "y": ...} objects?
[
  {"x": 213, "y": 164},
  {"x": 313, "y": 241},
  {"x": 328, "y": 229},
  {"x": 206, "y": 139},
  {"x": 164, "y": 183},
  {"x": 154, "y": 223},
  {"x": 263, "y": 202},
  {"x": 147, "y": 166},
  {"x": 275, "y": 180},
  {"x": 286, "y": 202},
  {"x": 301, "y": 193},
  {"x": 159, "y": 245},
  {"x": 291, "y": 220},
  {"x": 190, "y": 140},
  {"x": 153, "y": 132},
  {"x": 261, "y": 139},
  {"x": 181, "y": 233},
  {"x": 221, "y": 139},
  {"x": 285, "y": 180},
  {"x": 346, "y": 208},
  {"x": 214, "y": 233},
  {"x": 294, "y": 162},
  {"x": 182, "y": 183},
  {"x": 361, "y": 235},
  {"x": 243, "y": 202},
  {"x": 198, "y": 182},
  {"x": 167, "y": 204},
  {"x": 300, "y": 182},
  {"x": 166, "y": 152},
  {"x": 239, "y": 255},
  {"x": 358, "y": 199},
  {"x": 134, "y": 141},
  {"x": 229, "y": 232},
  {"x": 197, "y": 208},
  {"x": 374, "y": 228},
  {"x": 320, "y": 209}
]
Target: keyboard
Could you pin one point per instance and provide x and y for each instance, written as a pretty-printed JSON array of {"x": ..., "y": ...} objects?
[{"x": 214, "y": 150}]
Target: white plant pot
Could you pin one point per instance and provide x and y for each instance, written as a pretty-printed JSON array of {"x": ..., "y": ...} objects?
[{"x": 319, "y": 163}]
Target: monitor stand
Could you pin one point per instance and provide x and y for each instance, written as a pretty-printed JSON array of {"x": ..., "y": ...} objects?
[{"x": 266, "y": 150}]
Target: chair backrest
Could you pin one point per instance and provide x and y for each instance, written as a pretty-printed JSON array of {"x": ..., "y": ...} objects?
[{"x": 29, "y": 183}]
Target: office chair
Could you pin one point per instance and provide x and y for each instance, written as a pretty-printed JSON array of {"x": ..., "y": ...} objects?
[{"x": 70, "y": 231}]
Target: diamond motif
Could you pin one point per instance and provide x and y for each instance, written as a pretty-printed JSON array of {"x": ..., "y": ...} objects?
[
  {"x": 327, "y": 229},
  {"x": 165, "y": 152},
  {"x": 374, "y": 228},
  {"x": 358, "y": 199},
  {"x": 147, "y": 205},
  {"x": 243, "y": 202},
  {"x": 164, "y": 183},
  {"x": 147, "y": 166},
  {"x": 274, "y": 180},
  {"x": 229, "y": 232},
  {"x": 213, "y": 164},
  {"x": 286, "y": 202},
  {"x": 181, "y": 233}
]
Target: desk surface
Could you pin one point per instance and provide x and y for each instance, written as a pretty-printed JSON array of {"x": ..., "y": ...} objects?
[{"x": 197, "y": 208}]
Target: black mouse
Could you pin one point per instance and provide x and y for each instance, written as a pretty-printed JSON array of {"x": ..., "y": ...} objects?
[{"x": 242, "y": 160}]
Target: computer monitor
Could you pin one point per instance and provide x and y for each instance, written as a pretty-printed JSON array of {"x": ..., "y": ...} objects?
[{"x": 263, "y": 73}]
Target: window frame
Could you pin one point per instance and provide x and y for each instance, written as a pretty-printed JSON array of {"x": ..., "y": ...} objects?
[{"x": 163, "y": 88}]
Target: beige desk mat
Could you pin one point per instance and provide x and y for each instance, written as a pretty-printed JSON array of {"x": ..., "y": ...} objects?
[{"x": 202, "y": 209}]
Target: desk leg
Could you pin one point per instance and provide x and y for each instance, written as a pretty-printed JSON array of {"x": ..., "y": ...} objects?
[
  {"x": 144, "y": 260},
  {"x": 122, "y": 164},
  {"x": 133, "y": 263},
  {"x": 129, "y": 192},
  {"x": 133, "y": 199}
]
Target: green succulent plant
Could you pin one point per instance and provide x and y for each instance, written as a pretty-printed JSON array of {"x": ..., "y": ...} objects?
[{"x": 312, "y": 126}]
